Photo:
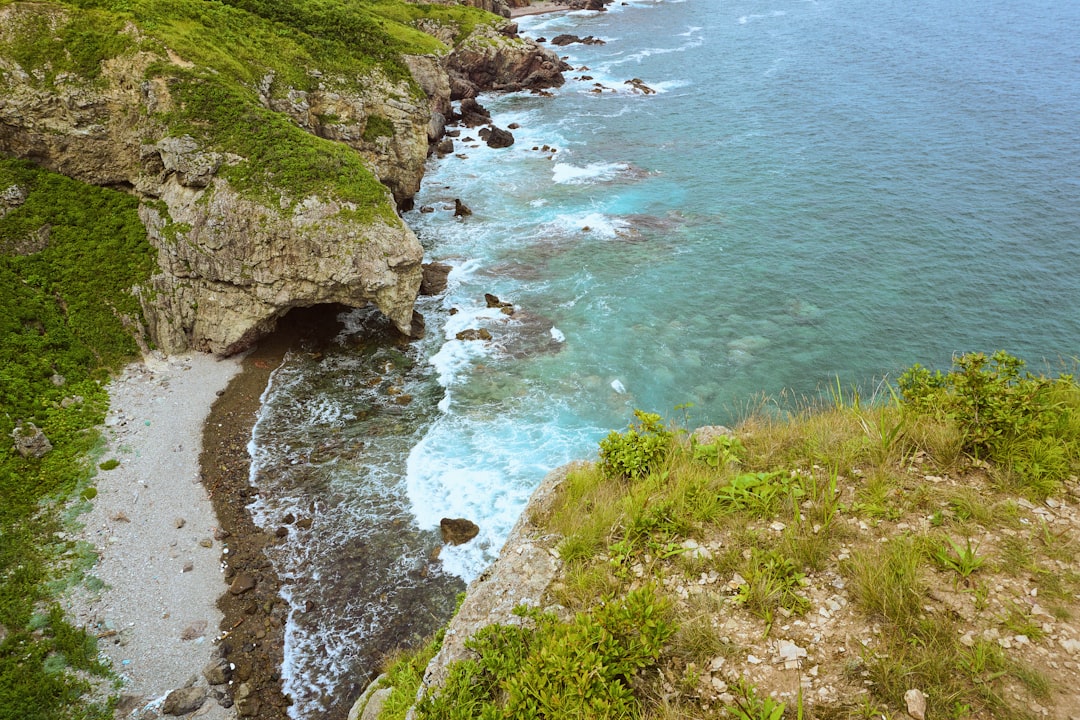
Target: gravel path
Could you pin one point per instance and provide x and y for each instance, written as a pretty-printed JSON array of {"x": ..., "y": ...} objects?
[{"x": 154, "y": 529}]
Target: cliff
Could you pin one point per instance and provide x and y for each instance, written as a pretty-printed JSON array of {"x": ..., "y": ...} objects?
[{"x": 269, "y": 144}]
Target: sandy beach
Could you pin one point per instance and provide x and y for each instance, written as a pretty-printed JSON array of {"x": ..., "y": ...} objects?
[
  {"x": 537, "y": 8},
  {"x": 155, "y": 532}
]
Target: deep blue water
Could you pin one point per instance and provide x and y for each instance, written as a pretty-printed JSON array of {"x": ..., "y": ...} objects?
[{"x": 817, "y": 191}]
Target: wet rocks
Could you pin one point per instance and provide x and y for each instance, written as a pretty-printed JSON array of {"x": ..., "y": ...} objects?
[
  {"x": 639, "y": 85},
  {"x": 496, "y": 137},
  {"x": 474, "y": 334},
  {"x": 458, "y": 531},
  {"x": 567, "y": 39},
  {"x": 461, "y": 209},
  {"x": 434, "y": 279},
  {"x": 472, "y": 114}
]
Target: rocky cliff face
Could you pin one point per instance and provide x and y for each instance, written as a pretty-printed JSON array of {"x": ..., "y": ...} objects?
[{"x": 250, "y": 213}]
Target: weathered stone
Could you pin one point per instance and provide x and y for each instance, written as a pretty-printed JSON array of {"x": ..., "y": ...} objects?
[
  {"x": 567, "y": 39},
  {"x": 30, "y": 441},
  {"x": 461, "y": 209},
  {"x": 434, "y": 279},
  {"x": 498, "y": 138},
  {"x": 492, "y": 59},
  {"x": 183, "y": 701},
  {"x": 458, "y": 531},
  {"x": 473, "y": 334},
  {"x": 916, "y": 704},
  {"x": 242, "y": 584},
  {"x": 217, "y": 672}
]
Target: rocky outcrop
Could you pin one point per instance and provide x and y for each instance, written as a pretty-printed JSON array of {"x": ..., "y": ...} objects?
[
  {"x": 240, "y": 240},
  {"x": 525, "y": 568},
  {"x": 498, "y": 59}
]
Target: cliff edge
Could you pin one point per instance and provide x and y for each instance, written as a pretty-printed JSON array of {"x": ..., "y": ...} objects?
[{"x": 269, "y": 144}]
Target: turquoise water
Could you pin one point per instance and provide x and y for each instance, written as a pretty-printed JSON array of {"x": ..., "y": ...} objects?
[{"x": 817, "y": 190}]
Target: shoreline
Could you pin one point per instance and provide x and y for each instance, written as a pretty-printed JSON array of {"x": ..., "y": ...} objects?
[
  {"x": 155, "y": 534},
  {"x": 538, "y": 8}
]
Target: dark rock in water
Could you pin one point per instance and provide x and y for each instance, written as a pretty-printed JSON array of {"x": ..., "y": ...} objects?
[
  {"x": 217, "y": 671},
  {"x": 461, "y": 209},
  {"x": 433, "y": 281},
  {"x": 282, "y": 532},
  {"x": 242, "y": 584},
  {"x": 499, "y": 138},
  {"x": 457, "y": 531},
  {"x": 183, "y": 701},
  {"x": 473, "y": 114},
  {"x": 541, "y": 39},
  {"x": 30, "y": 441},
  {"x": 566, "y": 39},
  {"x": 445, "y": 146},
  {"x": 474, "y": 334},
  {"x": 425, "y": 209},
  {"x": 494, "y": 302},
  {"x": 513, "y": 126},
  {"x": 418, "y": 327},
  {"x": 640, "y": 86},
  {"x": 304, "y": 523}
]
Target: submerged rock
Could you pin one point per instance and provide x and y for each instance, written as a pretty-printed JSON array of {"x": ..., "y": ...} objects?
[{"x": 458, "y": 531}]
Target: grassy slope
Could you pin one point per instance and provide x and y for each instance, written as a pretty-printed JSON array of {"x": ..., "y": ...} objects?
[
  {"x": 234, "y": 46},
  {"x": 60, "y": 314},
  {"x": 926, "y": 542},
  {"x": 60, "y": 307}
]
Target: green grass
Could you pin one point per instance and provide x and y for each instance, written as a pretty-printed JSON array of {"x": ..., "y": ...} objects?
[{"x": 64, "y": 310}]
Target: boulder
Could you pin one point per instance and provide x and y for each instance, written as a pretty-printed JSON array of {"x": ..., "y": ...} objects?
[
  {"x": 434, "y": 279},
  {"x": 183, "y": 701},
  {"x": 496, "y": 137},
  {"x": 473, "y": 334},
  {"x": 218, "y": 671},
  {"x": 30, "y": 441},
  {"x": 472, "y": 113},
  {"x": 457, "y": 531},
  {"x": 242, "y": 584},
  {"x": 461, "y": 209},
  {"x": 567, "y": 39}
]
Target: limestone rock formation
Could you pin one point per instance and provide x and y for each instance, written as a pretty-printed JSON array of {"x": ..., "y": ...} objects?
[
  {"x": 260, "y": 188},
  {"x": 497, "y": 58}
]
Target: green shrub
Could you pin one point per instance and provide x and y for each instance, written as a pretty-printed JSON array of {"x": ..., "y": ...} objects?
[
  {"x": 553, "y": 669},
  {"x": 1027, "y": 424},
  {"x": 640, "y": 450}
]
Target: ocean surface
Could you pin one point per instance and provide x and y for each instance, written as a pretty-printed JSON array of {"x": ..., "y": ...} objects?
[{"x": 815, "y": 192}]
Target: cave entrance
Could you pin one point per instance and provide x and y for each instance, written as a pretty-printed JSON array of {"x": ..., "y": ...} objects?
[{"x": 314, "y": 328}]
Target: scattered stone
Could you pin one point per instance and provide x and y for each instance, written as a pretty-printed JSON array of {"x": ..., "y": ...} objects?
[
  {"x": 188, "y": 566},
  {"x": 120, "y": 516},
  {"x": 241, "y": 584},
  {"x": 461, "y": 209},
  {"x": 457, "y": 531},
  {"x": 30, "y": 441},
  {"x": 206, "y": 543},
  {"x": 195, "y": 630},
  {"x": 58, "y": 380},
  {"x": 221, "y": 534},
  {"x": 1070, "y": 646},
  {"x": 183, "y": 701},
  {"x": 218, "y": 671},
  {"x": 179, "y": 523},
  {"x": 304, "y": 523},
  {"x": 916, "y": 704}
]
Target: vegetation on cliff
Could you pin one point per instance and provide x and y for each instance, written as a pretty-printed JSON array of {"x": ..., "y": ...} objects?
[
  {"x": 914, "y": 554},
  {"x": 218, "y": 65},
  {"x": 69, "y": 255}
]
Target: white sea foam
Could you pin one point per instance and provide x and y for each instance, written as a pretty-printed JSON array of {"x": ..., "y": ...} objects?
[
  {"x": 557, "y": 335},
  {"x": 618, "y": 387},
  {"x": 594, "y": 223},
  {"x": 567, "y": 174}
]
